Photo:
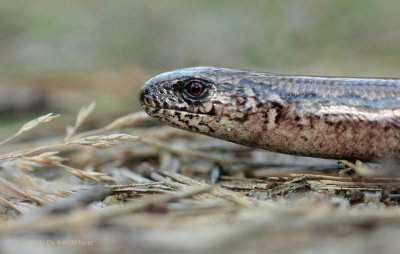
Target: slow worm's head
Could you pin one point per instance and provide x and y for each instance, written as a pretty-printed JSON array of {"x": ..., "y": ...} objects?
[{"x": 197, "y": 99}]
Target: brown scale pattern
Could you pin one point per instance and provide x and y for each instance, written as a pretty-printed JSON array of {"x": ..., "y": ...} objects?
[{"x": 326, "y": 117}]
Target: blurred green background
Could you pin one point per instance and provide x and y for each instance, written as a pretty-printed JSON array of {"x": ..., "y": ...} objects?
[{"x": 56, "y": 56}]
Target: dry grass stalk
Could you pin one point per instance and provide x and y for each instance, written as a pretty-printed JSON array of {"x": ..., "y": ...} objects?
[
  {"x": 103, "y": 141},
  {"x": 21, "y": 164},
  {"x": 130, "y": 120},
  {"x": 317, "y": 182},
  {"x": 47, "y": 158},
  {"x": 26, "y": 152},
  {"x": 30, "y": 163},
  {"x": 157, "y": 199},
  {"x": 5, "y": 203},
  {"x": 41, "y": 185},
  {"x": 232, "y": 196},
  {"x": 32, "y": 124},
  {"x": 12, "y": 190},
  {"x": 96, "y": 176},
  {"x": 94, "y": 141},
  {"x": 83, "y": 114}
]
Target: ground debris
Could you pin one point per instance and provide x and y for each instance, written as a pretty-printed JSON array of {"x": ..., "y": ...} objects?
[{"x": 177, "y": 192}]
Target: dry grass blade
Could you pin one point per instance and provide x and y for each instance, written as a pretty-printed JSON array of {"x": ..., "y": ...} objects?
[
  {"x": 76, "y": 200},
  {"x": 162, "y": 198},
  {"x": 59, "y": 189},
  {"x": 26, "y": 152},
  {"x": 232, "y": 196},
  {"x": 32, "y": 124},
  {"x": 103, "y": 141},
  {"x": 5, "y": 203},
  {"x": 96, "y": 176},
  {"x": 94, "y": 141},
  {"x": 47, "y": 158},
  {"x": 84, "y": 112},
  {"x": 130, "y": 120},
  {"x": 12, "y": 190},
  {"x": 30, "y": 163},
  {"x": 21, "y": 164}
]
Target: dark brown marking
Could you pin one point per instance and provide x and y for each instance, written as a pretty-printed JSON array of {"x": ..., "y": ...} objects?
[
  {"x": 212, "y": 111},
  {"x": 279, "y": 110}
]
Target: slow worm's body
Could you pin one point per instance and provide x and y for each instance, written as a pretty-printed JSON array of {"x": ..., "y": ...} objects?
[{"x": 326, "y": 117}]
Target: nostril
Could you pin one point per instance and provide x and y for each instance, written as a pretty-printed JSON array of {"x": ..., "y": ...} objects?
[{"x": 145, "y": 94}]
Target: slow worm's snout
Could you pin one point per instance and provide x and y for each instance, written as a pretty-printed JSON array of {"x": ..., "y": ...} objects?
[{"x": 145, "y": 93}]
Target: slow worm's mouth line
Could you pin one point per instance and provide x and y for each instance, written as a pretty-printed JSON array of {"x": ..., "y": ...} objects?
[{"x": 175, "y": 110}]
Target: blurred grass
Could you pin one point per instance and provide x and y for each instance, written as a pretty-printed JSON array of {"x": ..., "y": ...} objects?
[
  {"x": 67, "y": 36},
  {"x": 71, "y": 44}
]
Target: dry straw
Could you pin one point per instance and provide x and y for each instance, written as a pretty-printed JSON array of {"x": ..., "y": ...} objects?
[
  {"x": 26, "y": 160},
  {"x": 127, "y": 121},
  {"x": 32, "y": 124},
  {"x": 103, "y": 141},
  {"x": 84, "y": 113},
  {"x": 96, "y": 176}
]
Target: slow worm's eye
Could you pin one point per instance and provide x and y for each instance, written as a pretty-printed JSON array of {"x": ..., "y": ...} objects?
[{"x": 195, "y": 90}]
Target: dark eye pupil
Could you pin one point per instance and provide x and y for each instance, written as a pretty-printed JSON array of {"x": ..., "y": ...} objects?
[{"x": 196, "y": 88}]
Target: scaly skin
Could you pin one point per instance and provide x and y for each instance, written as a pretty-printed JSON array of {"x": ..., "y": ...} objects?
[{"x": 325, "y": 117}]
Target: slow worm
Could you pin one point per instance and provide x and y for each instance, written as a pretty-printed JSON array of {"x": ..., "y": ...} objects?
[{"x": 325, "y": 117}]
